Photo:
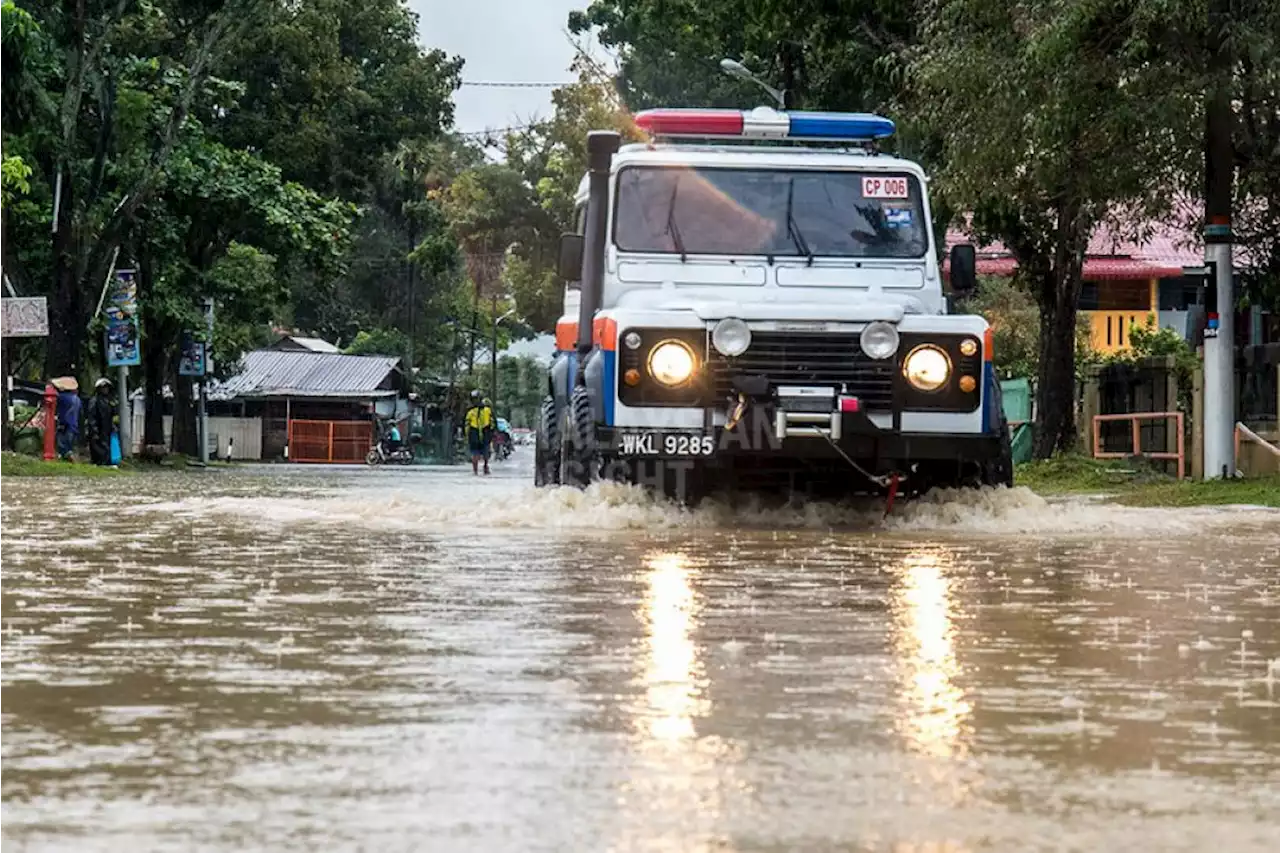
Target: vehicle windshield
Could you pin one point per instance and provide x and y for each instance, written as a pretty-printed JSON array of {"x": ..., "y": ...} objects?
[{"x": 716, "y": 211}]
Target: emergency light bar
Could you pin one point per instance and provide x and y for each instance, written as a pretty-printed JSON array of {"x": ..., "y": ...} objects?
[{"x": 765, "y": 123}]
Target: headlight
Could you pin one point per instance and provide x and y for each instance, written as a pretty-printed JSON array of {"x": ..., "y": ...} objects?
[
  {"x": 927, "y": 368},
  {"x": 879, "y": 340},
  {"x": 672, "y": 363},
  {"x": 731, "y": 337}
]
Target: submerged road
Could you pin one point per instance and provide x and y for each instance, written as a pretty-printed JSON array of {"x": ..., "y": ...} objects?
[{"x": 416, "y": 659}]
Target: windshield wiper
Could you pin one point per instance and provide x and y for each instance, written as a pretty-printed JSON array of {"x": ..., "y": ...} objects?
[
  {"x": 671, "y": 222},
  {"x": 793, "y": 227}
]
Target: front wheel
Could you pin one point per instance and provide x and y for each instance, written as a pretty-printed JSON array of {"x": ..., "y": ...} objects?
[
  {"x": 999, "y": 471},
  {"x": 372, "y": 457}
]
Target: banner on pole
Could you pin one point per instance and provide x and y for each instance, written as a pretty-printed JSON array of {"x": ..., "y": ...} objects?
[
  {"x": 192, "y": 361},
  {"x": 123, "y": 349},
  {"x": 24, "y": 317}
]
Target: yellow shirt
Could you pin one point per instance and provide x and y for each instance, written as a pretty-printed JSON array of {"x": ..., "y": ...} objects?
[{"x": 479, "y": 417}]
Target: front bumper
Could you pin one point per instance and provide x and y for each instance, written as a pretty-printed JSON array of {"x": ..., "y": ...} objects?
[{"x": 757, "y": 437}]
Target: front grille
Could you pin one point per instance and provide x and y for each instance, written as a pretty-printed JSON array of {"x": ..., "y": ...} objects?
[{"x": 806, "y": 358}]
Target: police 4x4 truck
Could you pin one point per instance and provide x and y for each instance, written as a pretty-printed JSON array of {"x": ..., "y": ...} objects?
[{"x": 754, "y": 301}]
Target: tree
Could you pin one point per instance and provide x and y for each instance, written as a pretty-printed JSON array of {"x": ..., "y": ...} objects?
[
  {"x": 75, "y": 73},
  {"x": 224, "y": 225},
  {"x": 17, "y": 45},
  {"x": 340, "y": 95},
  {"x": 1048, "y": 126},
  {"x": 826, "y": 55}
]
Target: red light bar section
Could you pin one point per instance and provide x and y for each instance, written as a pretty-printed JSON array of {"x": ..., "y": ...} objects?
[{"x": 691, "y": 122}]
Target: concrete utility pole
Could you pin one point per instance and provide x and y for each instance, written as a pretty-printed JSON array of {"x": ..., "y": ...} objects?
[
  {"x": 1219, "y": 337},
  {"x": 204, "y": 381}
]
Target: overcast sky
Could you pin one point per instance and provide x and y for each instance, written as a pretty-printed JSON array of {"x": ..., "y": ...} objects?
[{"x": 501, "y": 40}]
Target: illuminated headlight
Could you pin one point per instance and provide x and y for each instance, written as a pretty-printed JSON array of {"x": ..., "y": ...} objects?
[
  {"x": 927, "y": 368},
  {"x": 672, "y": 363},
  {"x": 879, "y": 340},
  {"x": 631, "y": 340},
  {"x": 731, "y": 337}
]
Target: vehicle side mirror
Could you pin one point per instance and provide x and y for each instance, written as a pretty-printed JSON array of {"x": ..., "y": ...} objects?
[
  {"x": 569, "y": 263},
  {"x": 964, "y": 269}
]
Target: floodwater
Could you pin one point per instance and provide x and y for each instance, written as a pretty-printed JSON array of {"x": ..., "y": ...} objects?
[{"x": 415, "y": 659}]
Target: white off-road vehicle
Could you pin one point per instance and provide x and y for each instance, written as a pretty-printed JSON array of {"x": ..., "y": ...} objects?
[{"x": 755, "y": 301}]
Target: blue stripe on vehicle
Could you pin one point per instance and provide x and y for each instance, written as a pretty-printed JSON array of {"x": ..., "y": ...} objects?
[
  {"x": 610, "y": 384},
  {"x": 990, "y": 418}
]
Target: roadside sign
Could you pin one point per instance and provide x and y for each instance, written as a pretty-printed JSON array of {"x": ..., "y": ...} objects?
[
  {"x": 122, "y": 321},
  {"x": 24, "y": 317},
  {"x": 192, "y": 360}
]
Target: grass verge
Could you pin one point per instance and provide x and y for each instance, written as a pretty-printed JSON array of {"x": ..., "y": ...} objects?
[
  {"x": 20, "y": 465},
  {"x": 1136, "y": 484}
]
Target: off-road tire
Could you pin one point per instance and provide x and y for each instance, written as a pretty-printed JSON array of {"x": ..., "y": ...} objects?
[
  {"x": 999, "y": 471},
  {"x": 546, "y": 448},
  {"x": 578, "y": 457}
]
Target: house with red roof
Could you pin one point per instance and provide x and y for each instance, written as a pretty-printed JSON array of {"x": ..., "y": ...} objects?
[{"x": 1125, "y": 281}]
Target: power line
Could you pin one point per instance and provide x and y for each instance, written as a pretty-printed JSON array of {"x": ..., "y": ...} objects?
[
  {"x": 514, "y": 84},
  {"x": 496, "y": 131}
]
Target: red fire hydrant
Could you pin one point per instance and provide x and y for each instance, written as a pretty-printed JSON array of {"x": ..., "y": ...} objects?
[{"x": 50, "y": 423}]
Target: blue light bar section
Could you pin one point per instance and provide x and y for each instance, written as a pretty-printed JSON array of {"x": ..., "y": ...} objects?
[{"x": 810, "y": 125}]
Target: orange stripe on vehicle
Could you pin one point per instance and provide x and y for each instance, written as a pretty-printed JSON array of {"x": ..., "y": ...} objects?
[
  {"x": 566, "y": 335},
  {"x": 988, "y": 349},
  {"x": 604, "y": 331}
]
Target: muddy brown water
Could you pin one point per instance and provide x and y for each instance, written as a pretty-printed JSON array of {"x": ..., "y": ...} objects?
[{"x": 305, "y": 659}]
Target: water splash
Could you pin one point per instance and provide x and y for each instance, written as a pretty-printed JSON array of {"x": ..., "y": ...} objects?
[{"x": 613, "y": 506}]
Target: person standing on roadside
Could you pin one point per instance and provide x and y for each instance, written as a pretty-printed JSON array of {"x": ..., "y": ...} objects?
[
  {"x": 479, "y": 424},
  {"x": 67, "y": 415},
  {"x": 99, "y": 422}
]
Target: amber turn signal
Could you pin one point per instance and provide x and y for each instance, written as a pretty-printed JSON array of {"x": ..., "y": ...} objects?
[
  {"x": 631, "y": 377},
  {"x": 968, "y": 383}
]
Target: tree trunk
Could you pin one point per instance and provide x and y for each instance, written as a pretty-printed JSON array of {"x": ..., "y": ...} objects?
[
  {"x": 184, "y": 438},
  {"x": 154, "y": 368},
  {"x": 1055, "y": 427},
  {"x": 66, "y": 312}
]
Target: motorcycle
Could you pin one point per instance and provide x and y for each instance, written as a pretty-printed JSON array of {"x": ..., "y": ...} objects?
[
  {"x": 383, "y": 453},
  {"x": 379, "y": 455}
]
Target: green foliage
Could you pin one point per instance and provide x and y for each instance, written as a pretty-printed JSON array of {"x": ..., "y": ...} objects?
[
  {"x": 390, "y": 342},
  {"x": 1049, "y": 120},
  {"x": 522, "y": 385},
  {"x": 1015, "y": 324},
  {"x": 828, "y": 55},
  {"x": 1150, "y": 341},
  {"x": 14, "y": 175}
]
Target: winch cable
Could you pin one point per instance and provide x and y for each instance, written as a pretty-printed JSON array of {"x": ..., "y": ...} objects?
[
  {"x": 879, "y": 479},
  {"x": 889, "y": 482}
]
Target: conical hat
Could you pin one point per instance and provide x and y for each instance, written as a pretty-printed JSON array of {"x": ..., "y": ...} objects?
[{"x": 65, "y": 383}]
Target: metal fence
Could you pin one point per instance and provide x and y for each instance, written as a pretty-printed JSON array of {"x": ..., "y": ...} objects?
[{"x": 329, "y": 441}]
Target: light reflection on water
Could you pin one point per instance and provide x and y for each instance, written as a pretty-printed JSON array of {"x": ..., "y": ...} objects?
[
  {"x": 934, "y": 711},
  {"x": 673, "y": 674}
]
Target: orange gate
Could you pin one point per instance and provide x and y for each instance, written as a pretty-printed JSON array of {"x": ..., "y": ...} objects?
[{"x": 329, "y": 441}]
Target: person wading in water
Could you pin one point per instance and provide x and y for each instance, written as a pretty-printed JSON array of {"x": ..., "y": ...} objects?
[{"x": 479, "y": 423}]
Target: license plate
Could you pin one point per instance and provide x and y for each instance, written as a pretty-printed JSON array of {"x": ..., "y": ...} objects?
[{"x": 649, "y": 443}]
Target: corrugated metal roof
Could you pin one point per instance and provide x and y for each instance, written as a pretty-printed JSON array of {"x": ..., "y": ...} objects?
[
  {"x": 1162, "y": 254},
  {"x": 314, "y": 344},
  {"x": 285, "y": 373}
]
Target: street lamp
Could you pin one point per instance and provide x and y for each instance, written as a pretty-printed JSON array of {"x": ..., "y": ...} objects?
[
  {"x": 734, "y": 68},
  {"x": 493, "y": 363}
]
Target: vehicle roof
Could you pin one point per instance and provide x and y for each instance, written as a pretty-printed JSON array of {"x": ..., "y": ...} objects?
[{"x": 759, "y": 156}]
